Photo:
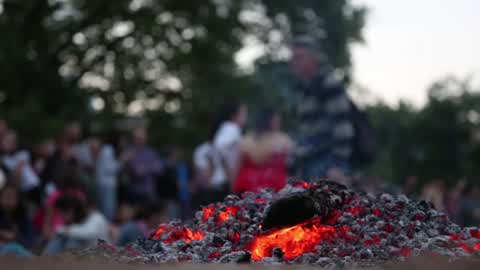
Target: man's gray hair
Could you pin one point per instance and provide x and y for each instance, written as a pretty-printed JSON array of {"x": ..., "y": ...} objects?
[{"x": 309, "y": 43}]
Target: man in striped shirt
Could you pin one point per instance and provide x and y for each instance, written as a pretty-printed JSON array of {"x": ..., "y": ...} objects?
[{"x": 325, "y": 131}]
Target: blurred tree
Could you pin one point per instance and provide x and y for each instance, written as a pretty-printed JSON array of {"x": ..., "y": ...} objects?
[
  {"x": 438, "y": 141},
  {"x": 168, "y": 60}
]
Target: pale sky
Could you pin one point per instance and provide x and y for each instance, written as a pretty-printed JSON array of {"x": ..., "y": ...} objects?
[{"x": 411, "y": 43}]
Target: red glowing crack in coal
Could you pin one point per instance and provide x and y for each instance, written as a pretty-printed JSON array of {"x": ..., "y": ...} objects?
[{"x": 293, "y": 241}]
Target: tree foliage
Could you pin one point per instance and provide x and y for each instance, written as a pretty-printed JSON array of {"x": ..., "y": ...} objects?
[
  {"x": 439, "y": 141},
  {"x": 168, "y": 60}
]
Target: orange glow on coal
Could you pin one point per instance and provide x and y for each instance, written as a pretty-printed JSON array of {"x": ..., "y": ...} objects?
[
  {"x": 208, "y": 212},
  {"x": 174, "y": 234},
  {"x": 193, "y": 235},
  {"x": 158, "y": 234},
  {"x": 294, "y": 241},
  {"x": 225, "y": 215}
]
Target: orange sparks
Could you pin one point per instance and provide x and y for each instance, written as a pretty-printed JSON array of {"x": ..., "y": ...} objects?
[{"x": 294, "y": 241}]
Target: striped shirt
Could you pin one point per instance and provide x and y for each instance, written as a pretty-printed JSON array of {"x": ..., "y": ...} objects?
[{"x": 324, "y": 113}]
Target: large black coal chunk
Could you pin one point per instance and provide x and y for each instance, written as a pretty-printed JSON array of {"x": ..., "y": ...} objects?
[
  {"x": 289, "y": 210},
  {"x": 299, "y": 207}
]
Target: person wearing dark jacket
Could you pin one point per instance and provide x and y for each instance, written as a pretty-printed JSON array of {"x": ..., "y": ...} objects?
[
  {"x": 16, "y": 230},
  {"x": 325, "y": 132}
]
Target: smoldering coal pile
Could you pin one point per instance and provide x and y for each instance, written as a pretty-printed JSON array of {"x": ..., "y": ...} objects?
[{"x": 321, "y": 223}]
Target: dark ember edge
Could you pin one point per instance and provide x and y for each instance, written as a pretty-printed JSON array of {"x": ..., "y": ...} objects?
[{"x": 370, "y": 231}]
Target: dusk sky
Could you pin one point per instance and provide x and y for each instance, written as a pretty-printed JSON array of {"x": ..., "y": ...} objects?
[{"x": 411, "y": 43}]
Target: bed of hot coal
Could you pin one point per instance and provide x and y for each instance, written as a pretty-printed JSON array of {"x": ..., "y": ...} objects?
[{"x": 321, "y": 223}]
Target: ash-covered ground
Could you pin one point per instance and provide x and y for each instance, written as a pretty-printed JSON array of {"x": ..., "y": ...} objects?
[{"x": 321, "y": 223}]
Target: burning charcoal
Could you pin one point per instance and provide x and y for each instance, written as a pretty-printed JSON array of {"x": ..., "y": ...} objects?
[
  {"x": 278, "y": 253},
  {"x": 461, "y": 252},
  {"x": 390, "y": 205},
  {"x": 289, "y": 210},
  {"x": 336, "y": 226},
  {"x": 441, "y": 241},
  {"x": 324, "y": 262},
  {"x": 217, "y": 241},
  {"x": 453, "y": 229},
  {"x": 271, "y": 261},
  {"x": 236, "y": 257},
  {"x": 371, "y": 219},
  {"x": 386, "y": 198},
  {"x": 380, "y": 225},
  {"x": 232, "y": 198},
  {"x": 432, "y": 213},
  {"x": 308, "y": 258},
  {"x": 403, "y": 198},
  {"x": 149, "y": 246}
]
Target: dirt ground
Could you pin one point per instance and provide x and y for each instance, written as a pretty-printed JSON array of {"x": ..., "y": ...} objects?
[{"x": 72, "y": 264}]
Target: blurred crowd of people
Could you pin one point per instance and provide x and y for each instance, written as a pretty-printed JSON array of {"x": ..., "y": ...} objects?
[{"x": 68, "y": 192}]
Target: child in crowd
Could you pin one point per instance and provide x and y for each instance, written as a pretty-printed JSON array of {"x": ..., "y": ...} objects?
[
  {"x": 147, "y": 220},
  {"x": 48, "y": 219},
  {"x": 84, "y": 226}
]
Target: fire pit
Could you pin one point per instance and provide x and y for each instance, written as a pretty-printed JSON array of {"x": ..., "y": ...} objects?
[{"x": 320, "y": 223}]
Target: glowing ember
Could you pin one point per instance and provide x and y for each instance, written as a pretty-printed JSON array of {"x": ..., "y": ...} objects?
[
  {"x": 294, "y": 241},
  {"x": 225, "y": 215},
  {"x": 355, "y": 210},
  {"x": 214, "y": 255},
  {"x": 405, "y": 252},
  {"x": 158, "y": 234},
  {"x": 173, "y": 235},
  {"x": 186, "y": 235},
  {"x": 455, "y": 237},
  {"x": 261, "y": 201},
  {"x": 475, "y": 233},
  {"x": 302, "y": 184},
  {"x": 374, "y": 241},
  {"x": 234, "y": 237},
  {"x": 208, "y": 212}
]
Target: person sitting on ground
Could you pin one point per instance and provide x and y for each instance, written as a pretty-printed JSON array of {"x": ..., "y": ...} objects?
[
  {"x": 15, "y": 227},
  {"x": 18, "y": 164},
  {"x": 263, "y": 156},
  {"x": 48, "y": 219},
  {"x": 147, "y": 220},
  {"x": 84, "y": 226},
  {"x": 469, "y": 207}
]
